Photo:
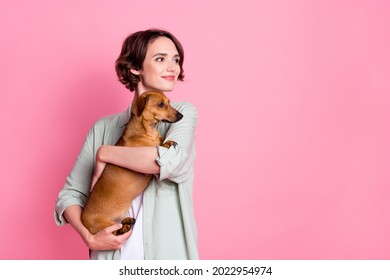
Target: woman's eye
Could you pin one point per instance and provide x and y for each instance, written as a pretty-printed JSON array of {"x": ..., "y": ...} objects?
[
  {"x": 177, "y": 60},
  {"x": 159, "y": 59}
]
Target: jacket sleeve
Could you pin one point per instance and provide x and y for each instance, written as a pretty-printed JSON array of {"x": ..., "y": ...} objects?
[
  {"x": 176, "y": 163},
  {"x": 77, "y": 185}
]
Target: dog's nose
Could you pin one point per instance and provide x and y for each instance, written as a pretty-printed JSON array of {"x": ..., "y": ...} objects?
[{"x": 179, "y": 116}]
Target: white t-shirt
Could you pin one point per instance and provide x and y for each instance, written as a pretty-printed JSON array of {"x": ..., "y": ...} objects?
[{"x": 133, "y": 248}]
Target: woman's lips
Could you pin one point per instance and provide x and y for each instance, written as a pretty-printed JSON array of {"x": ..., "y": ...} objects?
[{"x": 169, "y": 78}]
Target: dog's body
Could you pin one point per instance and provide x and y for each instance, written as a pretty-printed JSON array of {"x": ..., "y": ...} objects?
[{"x": 117, "y": 187}]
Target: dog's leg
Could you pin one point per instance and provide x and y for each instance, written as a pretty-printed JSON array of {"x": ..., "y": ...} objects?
[
  {"x": 127, "y": 225},
  {"x": 168, "y": 144}
]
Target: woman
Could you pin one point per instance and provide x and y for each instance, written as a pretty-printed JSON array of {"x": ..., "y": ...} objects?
[{"x": 165, "y": 227}]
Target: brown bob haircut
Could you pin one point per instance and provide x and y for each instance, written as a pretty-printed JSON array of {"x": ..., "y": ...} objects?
[{"x": 133, "y": 54}]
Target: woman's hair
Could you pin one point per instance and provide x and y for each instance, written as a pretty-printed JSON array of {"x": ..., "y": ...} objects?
[{"x": 133, "y": 54}]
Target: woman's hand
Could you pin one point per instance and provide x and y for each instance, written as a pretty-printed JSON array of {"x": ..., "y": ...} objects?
[{"x": 105, "y": 240}]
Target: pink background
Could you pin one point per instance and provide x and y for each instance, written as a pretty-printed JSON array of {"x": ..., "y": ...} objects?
[{"x": 293, "y": 136}]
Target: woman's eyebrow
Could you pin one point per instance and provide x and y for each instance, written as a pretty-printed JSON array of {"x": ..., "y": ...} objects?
[{"x": 165, "y": 54}]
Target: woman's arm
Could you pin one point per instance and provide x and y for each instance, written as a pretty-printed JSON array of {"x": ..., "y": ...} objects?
[
  {"x": 140, "y": 159},
  {"x": 76, "y": 190},
  {"x": 103, "y": 240}
]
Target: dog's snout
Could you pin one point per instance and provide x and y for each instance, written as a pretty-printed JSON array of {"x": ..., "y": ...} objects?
[{"x": 179, "y": 116}]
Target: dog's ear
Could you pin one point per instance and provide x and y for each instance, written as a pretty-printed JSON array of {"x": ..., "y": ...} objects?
[{"x": 142, "y": 101}]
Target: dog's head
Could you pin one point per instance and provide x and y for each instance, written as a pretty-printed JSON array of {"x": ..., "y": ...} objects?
[{"x": 154, "y": 106}]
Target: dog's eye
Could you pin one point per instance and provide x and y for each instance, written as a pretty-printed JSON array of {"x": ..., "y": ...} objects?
[{"x": 161, "y": 104}]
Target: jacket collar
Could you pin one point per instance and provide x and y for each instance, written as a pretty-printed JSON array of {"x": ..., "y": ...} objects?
[{"x": 124, "y": 117}]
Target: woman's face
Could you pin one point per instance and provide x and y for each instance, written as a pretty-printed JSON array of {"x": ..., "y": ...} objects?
[{"x": 160, "y": 68}]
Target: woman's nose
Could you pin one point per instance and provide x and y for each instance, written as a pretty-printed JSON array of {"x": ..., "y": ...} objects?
[{"x": 171, "y": 67}]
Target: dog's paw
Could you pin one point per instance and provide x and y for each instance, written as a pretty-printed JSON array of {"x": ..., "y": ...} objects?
[
  {"x": 127, "y": 225},
  {"x": 168, "y": 144}
]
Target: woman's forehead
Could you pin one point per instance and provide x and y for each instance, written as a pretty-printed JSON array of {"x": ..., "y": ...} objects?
[{"x": 162, "y": 45}]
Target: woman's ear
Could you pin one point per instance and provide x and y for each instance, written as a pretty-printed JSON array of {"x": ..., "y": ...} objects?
[{"x": 135, "y": 71}]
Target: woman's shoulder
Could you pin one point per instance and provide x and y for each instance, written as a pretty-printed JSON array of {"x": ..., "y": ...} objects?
[
  {"x": 117, "y": 119},
  {"x": 185, "y": 107}
]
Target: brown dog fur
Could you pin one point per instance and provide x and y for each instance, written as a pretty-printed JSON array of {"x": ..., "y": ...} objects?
[{"x": 117, "y": 187}]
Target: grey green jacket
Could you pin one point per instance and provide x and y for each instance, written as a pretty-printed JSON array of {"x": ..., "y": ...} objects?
[{"x": 168, "y": 220}]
